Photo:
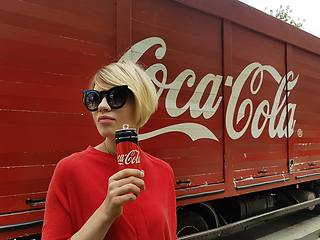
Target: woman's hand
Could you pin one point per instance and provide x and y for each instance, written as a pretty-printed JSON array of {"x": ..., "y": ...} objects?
[{"x": 124, "y": 186}]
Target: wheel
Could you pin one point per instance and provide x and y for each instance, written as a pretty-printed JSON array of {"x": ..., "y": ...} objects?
[{"x": 190, "y": 222}]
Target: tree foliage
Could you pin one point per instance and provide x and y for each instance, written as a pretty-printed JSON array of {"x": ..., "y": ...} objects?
[{"x": 284, "y": 15}]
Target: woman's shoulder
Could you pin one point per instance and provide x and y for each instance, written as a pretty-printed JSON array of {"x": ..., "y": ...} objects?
[
  {"x": 68, "y": 160},
  {"x": 77, "y": 159},
  {"x": 159, "y": 163}
]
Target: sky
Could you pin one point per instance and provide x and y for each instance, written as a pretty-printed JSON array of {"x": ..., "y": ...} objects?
[{"x": 309, "y": 10}]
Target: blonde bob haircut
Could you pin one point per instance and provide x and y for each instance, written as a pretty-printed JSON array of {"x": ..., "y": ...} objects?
[{"x": 131, "y": 74}]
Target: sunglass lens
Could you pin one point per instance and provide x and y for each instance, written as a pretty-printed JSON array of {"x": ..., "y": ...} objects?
[
  {"x": 92, "y": 101},
  {"x": 117, "y": 98}
]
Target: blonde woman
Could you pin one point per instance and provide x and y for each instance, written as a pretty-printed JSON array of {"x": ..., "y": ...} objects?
[{"x": 88, "y": 198}]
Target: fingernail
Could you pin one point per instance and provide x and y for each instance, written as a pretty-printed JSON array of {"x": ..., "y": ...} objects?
[{"x": 142, "y": 173}]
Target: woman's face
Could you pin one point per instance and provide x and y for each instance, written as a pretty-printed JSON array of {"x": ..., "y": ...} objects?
[{"x": 109, "y": 120}]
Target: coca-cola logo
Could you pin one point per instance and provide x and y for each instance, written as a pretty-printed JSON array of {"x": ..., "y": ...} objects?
[
  {"x": 132, "y": 157},
  {"x": 265, "y": 112}
]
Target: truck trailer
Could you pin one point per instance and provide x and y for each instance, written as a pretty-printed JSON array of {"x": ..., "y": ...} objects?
[{"x": 239, "y": 106}]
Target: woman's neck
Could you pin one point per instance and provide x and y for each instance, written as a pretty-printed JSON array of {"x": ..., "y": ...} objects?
[
  {"x": 107, "y": 146},
  {"x": 110, "y": 146}
]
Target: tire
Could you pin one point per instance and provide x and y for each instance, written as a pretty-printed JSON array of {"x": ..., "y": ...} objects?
[{"x": 190, "y": 222}]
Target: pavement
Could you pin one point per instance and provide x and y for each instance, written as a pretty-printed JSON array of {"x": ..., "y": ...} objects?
[{"x": 301, "y": 225}]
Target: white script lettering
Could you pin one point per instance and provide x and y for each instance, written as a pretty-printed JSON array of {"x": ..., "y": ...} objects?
[{"x": 266, "y": 112}]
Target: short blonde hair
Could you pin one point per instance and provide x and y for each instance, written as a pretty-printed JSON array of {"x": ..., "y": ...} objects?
[{"x": 131, "y": 74}]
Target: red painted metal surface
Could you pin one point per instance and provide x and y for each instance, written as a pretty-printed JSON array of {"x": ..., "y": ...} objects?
[
  {"x": 18, "y": 218},
  {"x": 229, "y": 121}
]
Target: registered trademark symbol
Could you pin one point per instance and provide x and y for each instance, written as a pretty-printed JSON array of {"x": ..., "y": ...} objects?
[{"x": 300, "y": 132}]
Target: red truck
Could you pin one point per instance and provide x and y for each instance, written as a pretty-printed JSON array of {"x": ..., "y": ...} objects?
[{"x": 239, "y": 105}]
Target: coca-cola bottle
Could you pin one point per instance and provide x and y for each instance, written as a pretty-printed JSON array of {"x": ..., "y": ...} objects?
[{"x": 128, "y": 151}]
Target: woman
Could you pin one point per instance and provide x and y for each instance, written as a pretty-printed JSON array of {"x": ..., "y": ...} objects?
[{"x": 88, "y": 198}]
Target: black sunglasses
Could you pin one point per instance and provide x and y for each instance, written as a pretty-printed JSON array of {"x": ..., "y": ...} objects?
[{"x": 116, "y": 97}]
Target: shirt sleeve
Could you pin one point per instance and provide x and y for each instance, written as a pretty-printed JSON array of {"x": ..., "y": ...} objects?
[
  {"x": 173, "y": 208},
  {"x": 57, "y": 220}
]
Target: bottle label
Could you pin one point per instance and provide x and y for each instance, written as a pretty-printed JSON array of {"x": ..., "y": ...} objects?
[{"x": 128, "y": 155}]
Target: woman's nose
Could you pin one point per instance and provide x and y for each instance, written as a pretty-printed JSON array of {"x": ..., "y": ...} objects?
[{"x": 104, "y": 105}]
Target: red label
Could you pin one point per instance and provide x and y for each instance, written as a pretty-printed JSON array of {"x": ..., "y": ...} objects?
[{"x": 128, "y": 155}]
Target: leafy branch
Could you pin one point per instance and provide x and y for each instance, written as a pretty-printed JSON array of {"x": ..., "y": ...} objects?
[{"x": 284, "y": 15}]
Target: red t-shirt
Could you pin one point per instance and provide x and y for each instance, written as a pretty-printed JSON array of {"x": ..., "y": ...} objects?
[{"x": 79, "y": 186}]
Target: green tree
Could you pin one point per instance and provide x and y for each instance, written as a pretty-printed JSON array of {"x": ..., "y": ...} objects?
[{"x": 284, "y": 15}]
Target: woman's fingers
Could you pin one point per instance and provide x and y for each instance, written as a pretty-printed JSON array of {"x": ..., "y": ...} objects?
[
  {"x": 124, "y": 186},
  {"x": 116, "y": 190},
  {"x": 127, "y": 173},
  {"x": 126, "y": 181},
  {"x": 129, "y": 180},
  {"x": 127, "y": 176}
]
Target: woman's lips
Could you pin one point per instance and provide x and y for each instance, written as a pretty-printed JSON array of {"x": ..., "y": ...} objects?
[{"x": 105, "y": 119}]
